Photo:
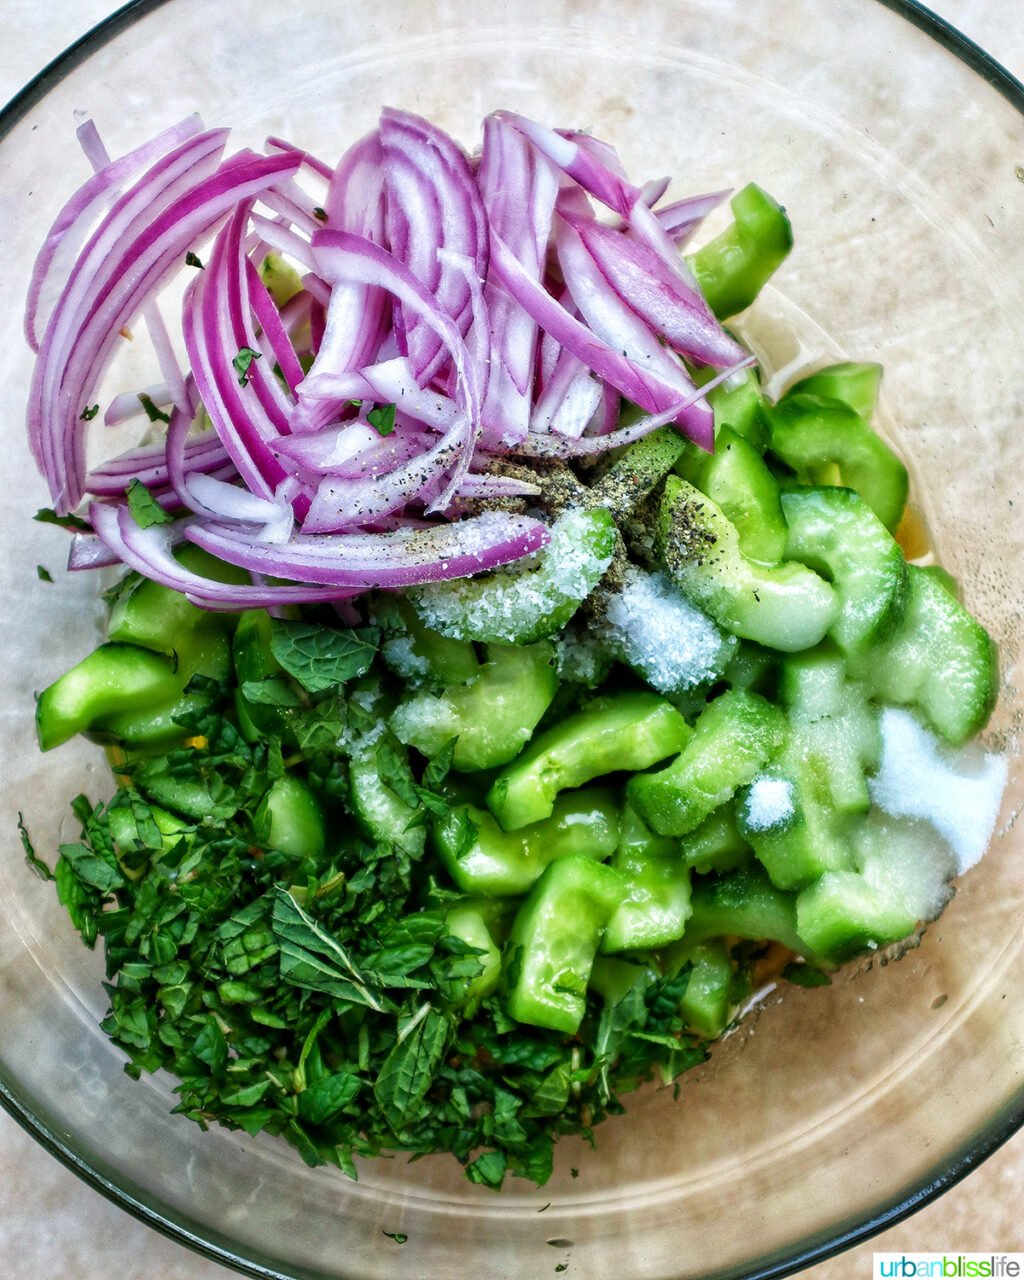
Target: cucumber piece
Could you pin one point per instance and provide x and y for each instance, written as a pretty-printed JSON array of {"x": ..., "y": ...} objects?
[
  {"x": 530, "y": 601},
  {"x": 649, "y": 625},
  {"x": 115, "y": 678},
  {"x": 851, "y": 382},
  {"x": 624, "y": 731},
  {"x": 739, "y": 403},
  {"x": 940, "y": 660},
  {"x": 901, "y": 879},
  {"x": 707, "y": 1001},
  {"x": 156, "y": 617},
  {"x": 465, "y": 922},
  {"x": 732, "y": 741},
  {"x": 795, "y": 833},
  {"x": 416, "y": 653},
  {"x": 507, "y": 864},
  {"x": 634, "y": 475},
  {"x": 554, "y": 941},
  {"x": 289, "y": 818},
  {"x": 733, "y": 268},
  {"x": 716, "y": 845},
  {"x": 786, "y": 606},
  {"x": 835, "y": 725},
  {"x": 835, "y": 532},
  {"x": 656, "y": 904},
  {"x": 736, "y": 479},
  {"x": 491, "y": 717},
  {"x": 825, "y": 441},
  {"x": 383, "y": 815},
  {"x": 742, "y": 904}
]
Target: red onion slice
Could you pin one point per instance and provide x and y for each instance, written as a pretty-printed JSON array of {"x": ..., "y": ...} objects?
[
  {"x": 149, "y": 552},
  {"x": 401, "y": 558},
  {"x": 76, "y": 219},
  {"x": 657, "y": 295}
]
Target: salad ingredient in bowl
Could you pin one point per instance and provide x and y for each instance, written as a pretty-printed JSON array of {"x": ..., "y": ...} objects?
[{"x": 404, "y": 858}]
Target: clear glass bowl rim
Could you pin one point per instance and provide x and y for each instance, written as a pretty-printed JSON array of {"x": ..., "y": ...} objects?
[{"x": 945, "y": 1175}]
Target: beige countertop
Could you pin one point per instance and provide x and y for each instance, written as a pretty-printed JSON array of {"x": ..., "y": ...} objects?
[{"x": 55, "y": 1227}]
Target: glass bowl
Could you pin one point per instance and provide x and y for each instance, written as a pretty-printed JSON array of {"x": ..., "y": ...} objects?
[{"x": 828, "y": 1113}]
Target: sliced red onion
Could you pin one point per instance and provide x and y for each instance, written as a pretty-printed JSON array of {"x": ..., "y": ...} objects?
[
  {"x": 269, "y": 319},
  {"x": 431, "y": 203},
  {"x": 129, "y": 404},
  {"x": 309, "y": 161},
  {"x": 498, "y": 486},
  {"x": 551, "y": 446},
  {"x": 89, "y": 552},
  {"x": 150, "y": 552},
  {"x": 509, "y": 163},
  {"x": 347, "y": 258},
  {"x": 357, "y": 315},
  {"x": 641, "y": 280},
  {"x": 76, "y": 219},
  {"x": 580, "y": 161},
  {"x": 218, "y": 325},
  {"x": 78, "y": 348},
  {"x": 230, "y": 502},
  {"x": 346, "y": 504},
  {"x": 570, "y": 397},
  {"x": 682, "y": 218},
  {"x": 360, "y": 561},
  {"x": 340, "y": 450}
]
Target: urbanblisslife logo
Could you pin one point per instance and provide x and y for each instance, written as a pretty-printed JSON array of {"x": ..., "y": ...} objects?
[{"x": 950, "y": 1266}]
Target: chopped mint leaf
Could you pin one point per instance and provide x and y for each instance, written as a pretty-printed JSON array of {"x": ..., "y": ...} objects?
[
  {"x": 320, "y": 658},
  {"x": 193, "y": 260},
  {"x": 320, "y": 214},
  {"x": 243, "y": 362},
  {"x": 43, "y": 574},
  {"x": 75, "y": 524},
  {"x": 382, "y": 419},
  {"x": 31, "y": 857},
  {"x": 89, "y": 412},
  {"x": 144, "y": 507},
  {"x": 399, "y": 1237},
  {"x": 153, "y": 412}
]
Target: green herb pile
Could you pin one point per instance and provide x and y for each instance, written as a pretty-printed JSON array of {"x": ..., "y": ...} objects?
[{"x": 321, "y": 998}]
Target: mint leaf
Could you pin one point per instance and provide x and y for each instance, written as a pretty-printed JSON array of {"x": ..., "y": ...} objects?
[
  {"x": 243, "y": 362},
  {"x": 89, "y": 412},
  {"x": 488, "y": 1170},
  {"x": 31, "y": 857},
  {"x": 311, "y": 958},
  {"x": 320, "y": 658},
  {"x": 153, "y": 413},
  {"x": 75, "y": 524},
  {"x": 382, "y": 419},
  {"x": 323, "y": 1101},
  {"x": 393, "y": 770},
  {"x": 43, "y": 574},
  {"x": 144, "y": 507},
  {"x": 409, "y": 1069},
  {"x": 192, "y": 260},
  {"x": 275, "y": 691}
]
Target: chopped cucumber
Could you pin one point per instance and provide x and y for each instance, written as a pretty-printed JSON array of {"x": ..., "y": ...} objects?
[
  {"x": 785, "y": 606},
  {"x": 940, "y": 660},
  {"x": 826, "y": 441},
  {"x": 523, "y": 604},
  {"x": 625, "y": 731},
  {"x": 732, "y": 741},
  {"x": 835, "y": 532},
  {"x": 491, "y": 717}
]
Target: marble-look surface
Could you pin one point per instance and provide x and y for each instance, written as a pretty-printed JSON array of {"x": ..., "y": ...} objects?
[{"x": 54, "y": 1227}]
